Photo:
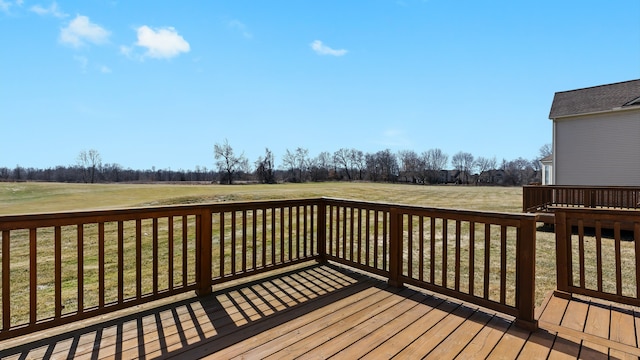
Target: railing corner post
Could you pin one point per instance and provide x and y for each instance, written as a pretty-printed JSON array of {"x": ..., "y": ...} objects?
[
  {"x": 526, "y": 274},
  {"x": 322, "y": 231},
  {"x": 203, "y": 252},
  {"x": 395, "y": 247},
  {"x": 562, "y": 241}
]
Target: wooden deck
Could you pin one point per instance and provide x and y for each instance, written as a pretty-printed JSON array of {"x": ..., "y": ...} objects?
[{"x": 324, "y": 311}]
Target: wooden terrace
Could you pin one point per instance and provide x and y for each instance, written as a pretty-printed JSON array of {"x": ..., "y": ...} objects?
[
  {"x": 323, "y": 311},
  {"x": 315, "y": 278}
]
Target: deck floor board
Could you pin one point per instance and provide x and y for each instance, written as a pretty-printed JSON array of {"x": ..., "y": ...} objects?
[
  {"x": 510, "y": 344},
  {"x": 382, "y": 333},
  {"x": 328, "y": 311},
  {"x": 565, "y": 347},
  {"x": 486, "y": 339}
]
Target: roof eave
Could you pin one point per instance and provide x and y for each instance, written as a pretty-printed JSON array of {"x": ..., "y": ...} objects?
[{"x": 616, "y": 109}]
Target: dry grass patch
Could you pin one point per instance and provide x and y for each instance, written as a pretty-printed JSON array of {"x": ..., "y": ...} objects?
[{"x": 24, "y": 198}]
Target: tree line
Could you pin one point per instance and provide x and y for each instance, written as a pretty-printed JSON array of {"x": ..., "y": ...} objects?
[{"x": 432, "y": 166}]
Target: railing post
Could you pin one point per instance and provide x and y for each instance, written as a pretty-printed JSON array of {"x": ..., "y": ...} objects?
[
  {"x": 395, "y": 247},
  {"x": 322, "y": 231},
  {"x": 589, "y": 198},
  {"x": 6, "y": 279},
  {"x": 562, "y": 242},
  {"x": 203, "y": 252},
  {"x": 526, "y": 274}
]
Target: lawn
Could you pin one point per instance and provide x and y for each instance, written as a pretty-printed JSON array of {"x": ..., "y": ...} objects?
[{"x": 22, "y": 198}]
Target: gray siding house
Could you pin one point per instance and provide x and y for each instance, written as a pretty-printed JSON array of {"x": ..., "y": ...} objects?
[{"x": 596, "y": 135}]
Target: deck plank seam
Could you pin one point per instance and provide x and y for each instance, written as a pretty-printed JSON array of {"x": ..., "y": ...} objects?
[
  {"x": 382, "y": 305},
  {"x": 349, "y": 304},
  {"x": 414, "y": 298},
  {"x": 360, "y": 285}
]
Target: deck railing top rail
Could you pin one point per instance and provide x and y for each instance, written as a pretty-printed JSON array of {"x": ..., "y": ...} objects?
[{"x": 450, "y": 211}]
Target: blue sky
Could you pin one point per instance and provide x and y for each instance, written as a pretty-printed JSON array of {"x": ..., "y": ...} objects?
[{"x": 158, "y": 83}]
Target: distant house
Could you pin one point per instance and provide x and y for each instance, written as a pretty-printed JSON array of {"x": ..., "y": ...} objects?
[
  {"x": 547, "y": 170},
  {"x": 596, "y": 135},
  {"x": 495, "y": 176}
]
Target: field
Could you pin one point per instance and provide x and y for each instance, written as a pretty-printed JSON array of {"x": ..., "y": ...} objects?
[
  {"x": 22, "y": 198},
  {"x": 26, "y": 198}
]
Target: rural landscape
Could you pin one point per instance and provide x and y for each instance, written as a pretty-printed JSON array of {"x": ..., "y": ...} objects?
[
  {"x": 432, "y": 166},
  {"x": 389, "y": 179},
  {"x": 101, "y": 263},
  {"x": 38, "y": 197}
]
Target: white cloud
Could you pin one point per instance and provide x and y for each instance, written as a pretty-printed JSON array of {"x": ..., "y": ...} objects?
[
  {"x": 87, "y": 66},
  {"x": 52, "y": 10},
  {"x": 5, "y": 6},
  {"x": 126, "y": 50},
  {"x": 83, "y": 61},
  {"x": 80, "y": 31},
  {"x": 160, "y": 43},
  {"x": 242, "y": 28},
  {"x": 322, "y": 49}
]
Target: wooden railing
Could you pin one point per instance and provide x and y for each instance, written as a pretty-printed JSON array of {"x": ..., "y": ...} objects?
[
  {"x": 63, "y": 267},
  {"x": 358, "y": 234},
  {"x": 60, "y": 268},
  {"x": 480, "y": 257},
  {"x": 595, "y": 257},
  {"x": 253, "y": 237},
  {"x": 536, "y": 198}
]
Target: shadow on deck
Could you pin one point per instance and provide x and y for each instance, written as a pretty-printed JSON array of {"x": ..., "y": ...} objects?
[{"x": 320, "y": 311}]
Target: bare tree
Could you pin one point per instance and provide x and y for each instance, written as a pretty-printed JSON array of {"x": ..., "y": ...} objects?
[
  {"x": 265, "y": 168},
  {"x": 411, "y": 165},
  {"x": 382, "y": 166},
  {"x": 296, "y": 162},
  {"x": 343, "y": 159},
  {"x": 518, "y": 171},
  {"x": 351, "y": 161},
  {"x": 228, "y": 162},
  {"x": 89, "y": 162},
  {"x": 302, "y": 161},
  {"x": 360, "y": 164},
  {"x": 112, "y": 172},
  {"x": 289, "y": 163},
  {"x": 483, "y": 166},
  {"x": 17, "y": 172},
  {"x": 545, "y": 150},
  {"x": 463, "y": 162},
  {"x": 435, "y": 161},
  {"x": 319, "y": 166},
  {"x": 4, "y": 173}
]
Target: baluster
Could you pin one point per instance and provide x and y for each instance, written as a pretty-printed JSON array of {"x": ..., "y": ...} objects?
[
  {"x": 6, "y": 280},
  {"x": 33, "y": 277},
  {"x": 170, "y": 251},
  {"x": 503, "y": 264},
  {"x": 458, "y": 256},
  {"x": 101, "y": 265},
  {"x": 80, "y": 273}
]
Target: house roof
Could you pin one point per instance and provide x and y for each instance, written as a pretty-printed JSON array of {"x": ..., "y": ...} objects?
[{"x": 596, "y": 99}]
